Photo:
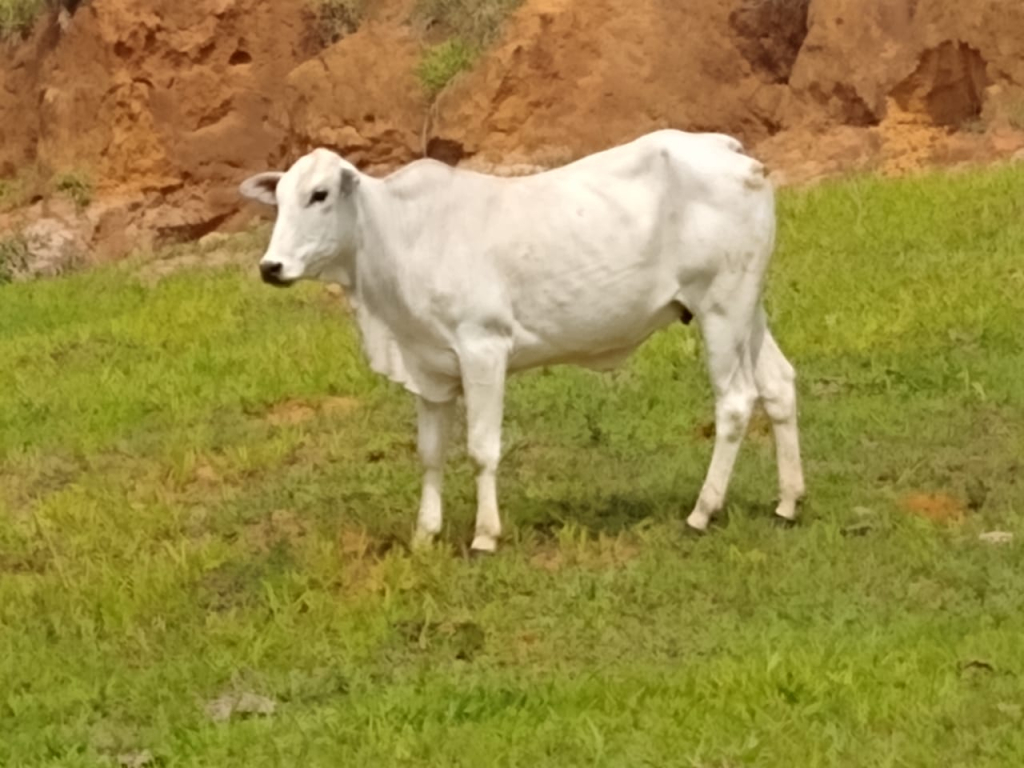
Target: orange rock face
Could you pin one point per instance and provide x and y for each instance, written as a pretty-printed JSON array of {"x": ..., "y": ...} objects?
[{"x": 167, "y": 105}]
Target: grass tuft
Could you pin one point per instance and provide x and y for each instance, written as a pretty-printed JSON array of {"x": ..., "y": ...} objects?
[
  {"x": 13, "y": 257},
  {"x": 75, "y": 186}
]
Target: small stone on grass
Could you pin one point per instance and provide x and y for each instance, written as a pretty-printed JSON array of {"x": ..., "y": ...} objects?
[
  {"x": 996, "y": 537},
  {"x": 239, "y": 705},
  {"x": 135, "y": 759}
]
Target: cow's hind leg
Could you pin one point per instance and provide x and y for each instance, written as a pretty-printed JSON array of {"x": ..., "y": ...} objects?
[
  {"x": 484, "y": 363},
  {"x": 775, "y": 379},
  {"x": 433, "y": 423},
  {"x": 730, "y": 366}
]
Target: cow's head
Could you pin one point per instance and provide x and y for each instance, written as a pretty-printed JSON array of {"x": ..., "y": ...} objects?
[{"x": 315, "y": 231}]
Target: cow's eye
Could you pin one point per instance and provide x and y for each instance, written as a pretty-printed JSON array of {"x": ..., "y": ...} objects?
[{"x": 318, "y": 196}]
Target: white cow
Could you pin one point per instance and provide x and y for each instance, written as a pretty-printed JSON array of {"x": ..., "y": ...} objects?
[{"x": 459, "y": 279}]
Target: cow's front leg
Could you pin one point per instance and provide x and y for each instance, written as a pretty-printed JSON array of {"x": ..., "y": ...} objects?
[
  {"x": 433, "y": 423},
  {"x": 483, "y": 364}
]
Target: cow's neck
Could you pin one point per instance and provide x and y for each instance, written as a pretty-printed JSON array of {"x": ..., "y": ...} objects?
[
  {"x": 344, "y": 268},
  {"x": 342, "y": 271},
  {"x": 387, "y": 232}
]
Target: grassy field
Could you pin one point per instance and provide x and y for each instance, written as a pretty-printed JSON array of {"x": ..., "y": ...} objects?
[{"x": 204, "y": 494}]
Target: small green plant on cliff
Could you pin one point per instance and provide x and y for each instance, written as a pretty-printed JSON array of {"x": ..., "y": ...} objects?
[
  {"x": 441, "y": 63},
  {"x": 467, "y": 26},
  {"x": 17, "y": 16},
  {"x": 336, "y": 18},
  {"x": 76, "y": 186}
]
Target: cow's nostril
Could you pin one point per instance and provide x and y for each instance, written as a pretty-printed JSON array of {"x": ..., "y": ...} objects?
[{"x": 270, "y": 271}]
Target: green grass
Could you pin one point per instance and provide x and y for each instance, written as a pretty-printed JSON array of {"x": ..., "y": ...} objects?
[
  {"x": 204, "y": 491},
  {"x": 18, "y": 16}
]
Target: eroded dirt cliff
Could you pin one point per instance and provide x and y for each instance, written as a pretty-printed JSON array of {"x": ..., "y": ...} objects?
[{"x": 167, "y": 105}]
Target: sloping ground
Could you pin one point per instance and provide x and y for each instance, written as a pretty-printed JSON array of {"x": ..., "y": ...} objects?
[{"x": 168, "y": 105}]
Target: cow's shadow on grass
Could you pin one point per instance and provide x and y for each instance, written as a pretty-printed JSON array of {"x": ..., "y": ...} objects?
[{"x": 618, "y": 513}]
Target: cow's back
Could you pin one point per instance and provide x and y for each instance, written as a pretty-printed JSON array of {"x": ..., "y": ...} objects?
[{"x": 625, "y": 238}]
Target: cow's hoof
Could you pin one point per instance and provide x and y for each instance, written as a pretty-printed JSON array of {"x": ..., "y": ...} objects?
[
  {"x": 785, "y": 522},
  {"x": 698, "y": 521},
  {"x": 785, "y": 514},
  {"x": 421, "y": 541},
  {"x": 696, "y": 533},
  {"x": 483, "y": 545}
]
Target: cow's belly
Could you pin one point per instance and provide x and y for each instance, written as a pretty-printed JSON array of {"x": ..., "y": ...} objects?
[{"x": 601, "y": 338}]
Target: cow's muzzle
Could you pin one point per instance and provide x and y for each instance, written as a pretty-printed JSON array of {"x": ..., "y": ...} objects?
[{"x": 270, "y": 271}]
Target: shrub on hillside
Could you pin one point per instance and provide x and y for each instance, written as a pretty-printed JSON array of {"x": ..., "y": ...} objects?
[
  {"x": 76, "y": 186},
  {"x": 468, "y": 26},
  {"x": 475, "y": 22},
  {"x": 443, "y": 62},
  {"x": 336, "y": 18}
]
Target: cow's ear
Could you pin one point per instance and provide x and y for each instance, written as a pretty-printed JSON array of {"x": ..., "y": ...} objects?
[
  {"x": 349, "y": 181},
  {"x": 261, "y": 187}
]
